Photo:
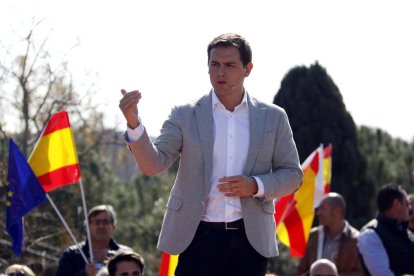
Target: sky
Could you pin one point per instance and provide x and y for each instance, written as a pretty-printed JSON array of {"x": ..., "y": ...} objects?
[{"x": 159, "y": 47}]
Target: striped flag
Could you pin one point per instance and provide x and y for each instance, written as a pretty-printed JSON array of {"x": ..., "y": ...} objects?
[
  {"x": 295, "y": 212},
  {"x": 168, "y": 264},
  {"x": 54, "y": 159}
]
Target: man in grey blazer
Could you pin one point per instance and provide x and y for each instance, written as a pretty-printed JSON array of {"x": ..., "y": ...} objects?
[{"x": 237, "y": 155}]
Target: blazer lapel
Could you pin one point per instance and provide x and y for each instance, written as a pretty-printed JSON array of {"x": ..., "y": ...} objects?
[
  {"x": 205, "y": 124},
  {"x": 257, "y": 115}
]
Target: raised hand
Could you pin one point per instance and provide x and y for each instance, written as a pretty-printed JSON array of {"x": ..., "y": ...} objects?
[{"x": 129, "y": 107}]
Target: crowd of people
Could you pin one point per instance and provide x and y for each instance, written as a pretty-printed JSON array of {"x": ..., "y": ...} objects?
[
  {"x": 237, "y": 155},
  {"x": 383, "y": 247},
  {"x": 108, "y": 258}
]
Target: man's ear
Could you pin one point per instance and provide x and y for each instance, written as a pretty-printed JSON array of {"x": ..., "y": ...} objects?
[
  {"x": 248, "y": 69},
  {"x": 396, "y": 204}
]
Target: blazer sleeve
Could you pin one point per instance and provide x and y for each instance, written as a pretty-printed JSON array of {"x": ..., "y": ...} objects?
[
  {"x": 154, "y": 158},
  {"x": 285, "y": 175}
]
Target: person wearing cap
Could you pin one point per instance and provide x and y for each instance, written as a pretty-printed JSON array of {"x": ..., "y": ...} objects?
[{"x": 102, "y": 224}]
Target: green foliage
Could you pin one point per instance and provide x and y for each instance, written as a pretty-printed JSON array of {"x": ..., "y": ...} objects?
[
  {"x": 284, "y": 264},
  {"x": 317, "y": 115},
  {"x": 140, "y": 218},
  {"x": 389, "y": 160}
]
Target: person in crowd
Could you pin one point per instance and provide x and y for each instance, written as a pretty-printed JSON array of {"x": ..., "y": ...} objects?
[
  {"x": 103, "y": 272},
  {"x": 411, "y": 218},
  {"x": 102, "y": 224},
  {"x": 384, "y": 243},
  {"x": 334, "y": 239},
  {"x": 19, "y": 270},
  {"x": 236, "y": 155},
  {"x": 126, "y": 263},
  {"x": 323, "y": 267}
]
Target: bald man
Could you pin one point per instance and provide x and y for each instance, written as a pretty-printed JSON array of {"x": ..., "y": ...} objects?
[
  {"x": 323, "y": 267},
  {"x": 334, "y": 239}
]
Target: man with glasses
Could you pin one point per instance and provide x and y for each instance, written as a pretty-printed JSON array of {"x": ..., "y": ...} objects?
[
  {"x": 102, "y": 224},
  {"x": 383, "y": 243}
]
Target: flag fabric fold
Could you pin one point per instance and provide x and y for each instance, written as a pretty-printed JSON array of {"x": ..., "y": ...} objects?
[
  {"x": 54, "y": 159},
  {"x": 294, "y": 213},
  {"x": 24, "y": 193}
]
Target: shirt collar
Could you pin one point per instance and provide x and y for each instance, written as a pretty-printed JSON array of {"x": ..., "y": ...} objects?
[{"x": 215, "y": 101}]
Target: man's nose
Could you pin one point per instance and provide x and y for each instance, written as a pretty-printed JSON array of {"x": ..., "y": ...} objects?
[{"x": 220, "y": 70}]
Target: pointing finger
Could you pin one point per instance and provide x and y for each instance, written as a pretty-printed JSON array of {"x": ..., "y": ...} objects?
[{"x": 123, "y": 92}]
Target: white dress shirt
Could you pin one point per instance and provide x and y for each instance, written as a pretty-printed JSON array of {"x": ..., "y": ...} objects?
[{"x": 231, "y": 145}]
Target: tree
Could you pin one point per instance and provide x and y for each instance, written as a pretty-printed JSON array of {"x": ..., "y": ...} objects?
[
  {"x": 318, "y": 115},
  {"x": 33, "y": 86},
  {"x": 389, "y": 160}
]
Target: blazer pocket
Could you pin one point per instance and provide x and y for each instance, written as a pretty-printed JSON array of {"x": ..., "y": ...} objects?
[
  {"x": 174, "y": 203},
  {"x": 268, "y": 207}
]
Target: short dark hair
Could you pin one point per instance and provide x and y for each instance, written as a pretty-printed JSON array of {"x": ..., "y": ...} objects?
[
  {"x": 125, "y": 255},
  {"x": 387, "y": 194},
  {"x": 232, "y": 40},
  {"x": 102, "y": 208}
]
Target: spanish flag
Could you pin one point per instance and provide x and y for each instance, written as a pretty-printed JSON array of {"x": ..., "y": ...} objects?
[
  {"x": 168, "y": 264},
  {"x": 294, "y": 213},
  {"x": 54, "y": 159}
]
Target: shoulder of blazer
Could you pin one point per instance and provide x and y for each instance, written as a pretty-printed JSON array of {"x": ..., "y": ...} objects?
[
  {"x": 263, "y": 105},
  {"x": 200, "y": 102}
]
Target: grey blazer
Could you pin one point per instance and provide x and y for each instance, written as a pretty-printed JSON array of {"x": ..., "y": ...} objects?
[{"x": 188, "y": 134}]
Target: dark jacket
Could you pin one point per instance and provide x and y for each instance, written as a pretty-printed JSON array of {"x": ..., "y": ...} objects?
[
  {"x": 348, "y": 261},
  {"x": 72, "y": 263},
  {"x": 394, "y": 236}
]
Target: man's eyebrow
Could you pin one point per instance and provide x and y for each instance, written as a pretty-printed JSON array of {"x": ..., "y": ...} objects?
[{"x": 223, "y": 62}]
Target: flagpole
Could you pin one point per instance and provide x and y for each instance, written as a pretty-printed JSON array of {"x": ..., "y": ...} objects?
[
  {"x": 67, "y": 227},
  {"x": 88, "y": 232}
]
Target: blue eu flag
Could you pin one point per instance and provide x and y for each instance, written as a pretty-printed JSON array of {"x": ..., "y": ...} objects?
[{"x": 24, "y": 193}]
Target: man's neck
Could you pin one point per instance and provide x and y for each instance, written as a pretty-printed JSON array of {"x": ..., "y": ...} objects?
[
  {"x": 333, "y": 230},
  {"x": 100, "y": 244},
  {"x": 230, "y": 102}
]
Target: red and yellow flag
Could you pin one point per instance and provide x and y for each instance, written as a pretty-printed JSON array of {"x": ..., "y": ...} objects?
[
  {"x": 54, "y": 159},
  {"x": 168, "y": 264},
  {"x": 294, "y": 213}
]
